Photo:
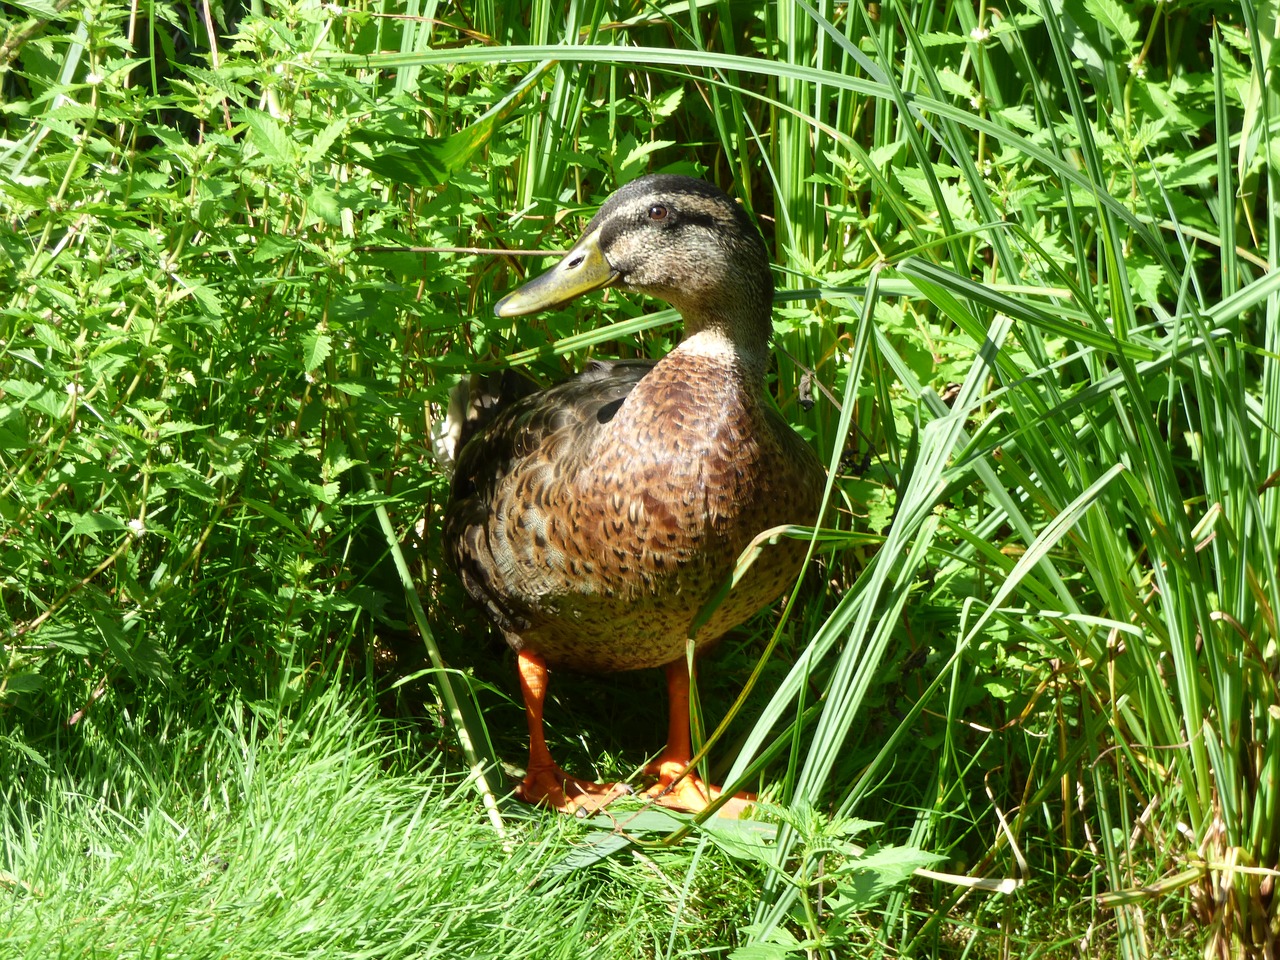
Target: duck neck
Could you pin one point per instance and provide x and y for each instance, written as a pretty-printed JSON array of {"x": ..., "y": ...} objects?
[{"x": 740, "y": 342}]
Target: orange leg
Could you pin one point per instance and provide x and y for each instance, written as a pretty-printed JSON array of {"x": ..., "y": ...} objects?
[
  {"x": 679, "y": 787},
  {"x": 544, "y": 782}
]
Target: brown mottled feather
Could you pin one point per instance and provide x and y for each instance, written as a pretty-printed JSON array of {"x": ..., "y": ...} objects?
[{"x": 594, "y": 519}]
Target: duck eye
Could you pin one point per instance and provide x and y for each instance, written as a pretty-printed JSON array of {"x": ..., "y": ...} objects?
[{"x": 657, "y": 212}]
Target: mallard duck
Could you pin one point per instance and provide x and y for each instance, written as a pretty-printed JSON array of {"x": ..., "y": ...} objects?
[{"x": 594, "y": 519}]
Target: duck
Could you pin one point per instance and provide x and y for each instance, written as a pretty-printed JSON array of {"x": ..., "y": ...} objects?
[{"x": 593, "y": 520}]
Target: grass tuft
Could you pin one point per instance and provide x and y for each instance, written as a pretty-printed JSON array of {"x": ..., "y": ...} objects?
[{"x": 320, "y": 833}]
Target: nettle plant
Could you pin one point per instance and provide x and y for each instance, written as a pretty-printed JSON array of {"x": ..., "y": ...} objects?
[{"x": 188, "y": 313}]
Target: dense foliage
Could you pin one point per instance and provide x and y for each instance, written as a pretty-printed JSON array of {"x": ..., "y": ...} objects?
[{"x": 1027, "y": 274}]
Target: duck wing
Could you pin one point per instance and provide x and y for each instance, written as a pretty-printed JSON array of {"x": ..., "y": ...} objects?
[{"x": 516, "y": 432}]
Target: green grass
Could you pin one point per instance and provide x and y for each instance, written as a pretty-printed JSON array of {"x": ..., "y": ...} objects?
[
  {"x": 249, "y": 834},
  {"x": 1028, "y": 256}
]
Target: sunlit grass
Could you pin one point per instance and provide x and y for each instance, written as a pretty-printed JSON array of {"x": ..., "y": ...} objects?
[{"x": 319, "y": 834}]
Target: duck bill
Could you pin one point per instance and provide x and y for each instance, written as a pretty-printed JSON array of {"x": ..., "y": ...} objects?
[{"x": 583, "y": 269}]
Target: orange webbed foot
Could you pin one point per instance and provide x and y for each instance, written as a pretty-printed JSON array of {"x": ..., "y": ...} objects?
[
  {"x": 691, "y": 793},
  {"x": 552, "y": 787}
]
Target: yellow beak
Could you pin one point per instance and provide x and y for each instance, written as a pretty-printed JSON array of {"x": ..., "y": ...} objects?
[{"x": 583, "y": 269}]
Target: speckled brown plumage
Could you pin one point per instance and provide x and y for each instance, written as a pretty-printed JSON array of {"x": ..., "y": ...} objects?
[{"x": 593, "y": 520}]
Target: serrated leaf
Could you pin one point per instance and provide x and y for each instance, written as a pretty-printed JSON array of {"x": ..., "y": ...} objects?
[
  {"x": 1115, "y": 18},
  {"x": 764, "y": 951},
  {"x": 638, "y": 155},
  {"x": 335, "y": 460},
  {"x": 955, "y": 84},
  {"x": 323, "y": 204},
  {"x": 271, "y": 139},
  {"x": 426, "y": 162},
  {"x": 95, "y": 523},
  {"x": 172, "y": 428},
  {"x": 881, "y": 156},
  {"x": 41, "y": 8},
  {"x": 324, "y": 492},
  {"x": 1146, "y": 280},
  {"x": 322, "y": 141},
  {"x": 778, "y": 944},
  {"x": 181, "y": 476},
  {"x": 865, "y": 882},
  {"x": 203, "y": 294},
  {"x": 934, "y": 39},
  {"x": 138, "y": 653},
  {"x": 851, "y": 828},
  {"x": 743, "y": 839},
  {"x": 26, "y": 681},
  {"x": 669, "y": 102},
  {"x": 316, "y": 347},
  {"x": 227, "y": 454},
  {"x": 37, "y": 394},
  {"x": 73, "y": 639},
  {"x": 1021, "y": 117},
  {"x": 273, "y": 247}
]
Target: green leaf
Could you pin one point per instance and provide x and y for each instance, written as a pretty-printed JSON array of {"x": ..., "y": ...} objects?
[
  {"x": 637, "y": 158},
  {"x": 40, "y": 8},
  {"x": 271, "y": 139},
  {"x": 316, "y": 347},
  {"x": 74, "y": 639},
  {"x": 321, "y": 142},
  {"x": 599, "y": 846},
  {"x": 173, "y": 428},
  {"x": 204, "y": 295},
  {"x": 92, "y": 523},
  {"x": 743, "y": 839},
  {"x": 1000, "y": 691},
  {"x": 428, "y": 162},
  {"x": 26, "y": 681},
  {"x": 138, "y": 652},
  {"x": 764, "y": 951},
  {"x": 227, "y": 454},
  {"x": 324, "y": 205},
  {"x": 865, "y": 882},
  {"x": 955, "y": 84},
  {"x": 668, "y": 102},
  {"x": 1146, "y": 280},
  {"x": 1115, "y": 17},
  {"x": 778, "y": 944}
]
